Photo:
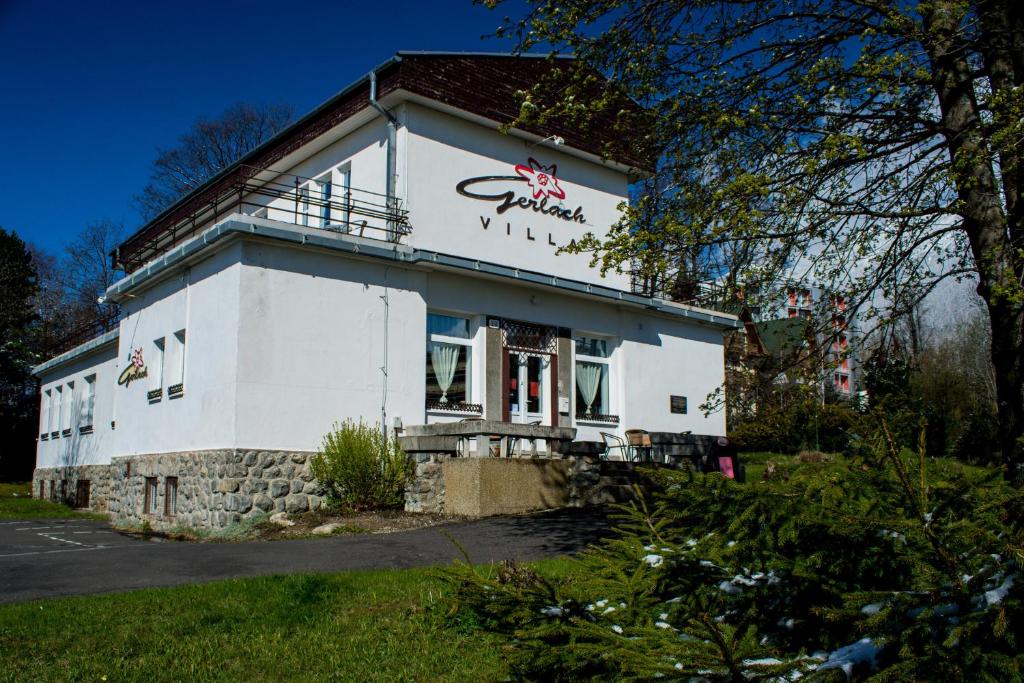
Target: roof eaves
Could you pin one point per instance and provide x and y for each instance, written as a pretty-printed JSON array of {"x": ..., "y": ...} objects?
[
  {"x": 257, "y": 227},
  {"x": 471, "y": 53}
]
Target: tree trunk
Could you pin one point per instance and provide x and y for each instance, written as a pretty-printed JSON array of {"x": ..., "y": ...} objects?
[{"x": 990, "y": 231}]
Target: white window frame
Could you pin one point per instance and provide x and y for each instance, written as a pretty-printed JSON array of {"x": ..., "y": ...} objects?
[
  {"x": 467, "y": 342},
  {"x": 605, "y": 361},
  {"x": 47, "y": 412},
  {"x": 176, "y": 367},
  {"x": 159, "y": 352},
  {"x": 303, "y": 200},
  {"x": 317, "y": 186},
  {"x": 337, "y": 178},
  {"x": 59, "y": 399},
  {"x": 88, "y": 407}
]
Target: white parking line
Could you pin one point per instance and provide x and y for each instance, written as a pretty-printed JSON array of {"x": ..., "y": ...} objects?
[
  {"x": 62, "y": 550},
  {"x": 62, "y": 540}
]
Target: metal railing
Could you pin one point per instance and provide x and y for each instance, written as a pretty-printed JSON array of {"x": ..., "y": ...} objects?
[
  {"x": 304, "y": 201},
  {"x": 696, "y": 293},
  {"x": 85, "y": 332}
]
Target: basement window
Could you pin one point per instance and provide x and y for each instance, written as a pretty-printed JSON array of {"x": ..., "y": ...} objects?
[
  {"x": 149, "y": 505},
  {"x": 170, "y": 496}
]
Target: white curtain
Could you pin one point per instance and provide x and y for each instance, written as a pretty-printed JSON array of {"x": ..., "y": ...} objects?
[
  {"x": 588, "y": 379},
  {"x": 444, "y": 358}
]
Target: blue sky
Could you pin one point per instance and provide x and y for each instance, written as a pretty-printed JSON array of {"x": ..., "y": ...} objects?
[{"x": 90, "y": 90}]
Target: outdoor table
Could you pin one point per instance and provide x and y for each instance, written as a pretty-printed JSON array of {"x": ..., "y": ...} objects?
[{"x": 692, "y": 447}]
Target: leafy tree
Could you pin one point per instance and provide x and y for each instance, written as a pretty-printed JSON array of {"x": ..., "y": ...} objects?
[
  {"x": 18, "y": 398},
  {"x": 872, "y": 145},
  {"x": 69, "y": 287},
  {"x": 209, "y": 146}
]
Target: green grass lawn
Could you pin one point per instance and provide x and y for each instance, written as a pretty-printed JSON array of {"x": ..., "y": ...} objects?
[
  {"x": 355, "y": 626},
  {"x": 16, "y": 502}
]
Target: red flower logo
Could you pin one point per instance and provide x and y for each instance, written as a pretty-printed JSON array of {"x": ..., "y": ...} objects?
[
  {"x": 136, "y": 358},
  {"x": 542, "y": 180}
]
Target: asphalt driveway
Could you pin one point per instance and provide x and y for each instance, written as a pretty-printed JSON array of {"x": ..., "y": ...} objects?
[{"x": 51, "y": 558}]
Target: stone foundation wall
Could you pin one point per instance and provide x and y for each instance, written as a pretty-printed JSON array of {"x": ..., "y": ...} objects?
[
  {"x": 60, "y": 485},
  {"x": 584, "y": 480},
  {"x": 424, "y": 490},
  {"x": 216, "y": 488}
]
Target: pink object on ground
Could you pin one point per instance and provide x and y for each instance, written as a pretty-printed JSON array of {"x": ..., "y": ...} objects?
[{"x": 725, "y": 467}]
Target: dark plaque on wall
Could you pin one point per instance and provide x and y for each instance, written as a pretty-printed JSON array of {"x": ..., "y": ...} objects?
[{"x": 677, "y": 404}]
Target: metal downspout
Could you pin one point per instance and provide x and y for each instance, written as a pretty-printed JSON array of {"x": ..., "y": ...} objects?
[{"x": 392, "y": 202}]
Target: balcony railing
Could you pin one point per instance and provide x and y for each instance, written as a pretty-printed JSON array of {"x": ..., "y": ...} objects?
[
  {"x": 695, "y": 293},
  {"x": 288, "y": 198}
]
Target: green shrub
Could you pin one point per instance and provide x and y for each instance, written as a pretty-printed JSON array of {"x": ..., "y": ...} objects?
[
  {"x": 805, "y": 425},
  {"x": 892, "y": 565},
  {"x": 359, "y": 468}
]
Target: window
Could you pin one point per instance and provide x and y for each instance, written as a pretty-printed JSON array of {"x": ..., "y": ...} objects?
[
  {"x": 170, "y": 496},
  {"x": 176, "y": 365},
  {"x": 88, "y": 404},
  {"x": 149, "y": 504},
  {"x": 322, "y": 194},
  {"x": 592, "y": 379},
  {"x": 303, "y": 205},
  {"x": 345, "y": 192},
  {"x": 157, "y": 389},
  {"x": 449, "y": 363},
  {"x": 46, "y": 416},
  {"x": 57, "y": 412},
  {"x": 67, "y": 406}
]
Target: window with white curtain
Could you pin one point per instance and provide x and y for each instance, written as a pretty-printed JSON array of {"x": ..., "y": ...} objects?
[
  {"x": 449, "y": 362},
  {"x": 592, "y": 378}
]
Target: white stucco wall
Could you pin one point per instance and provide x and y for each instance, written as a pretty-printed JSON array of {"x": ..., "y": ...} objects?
[
  {"x": 313, "y": 329},
  {"x": 313, "y": 344},
  {"x": 204, "y": 302},
  {"x": 80, "y": 448},
  {"x": 441, "y": 150}
]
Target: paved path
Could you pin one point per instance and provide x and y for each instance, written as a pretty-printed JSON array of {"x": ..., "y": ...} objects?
[{"x": 50, "y": 558}]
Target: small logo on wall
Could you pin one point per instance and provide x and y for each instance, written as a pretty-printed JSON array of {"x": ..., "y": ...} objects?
[
  {"x": 136, "y": 368},
  {"x": 544, "y": 185},
  {"x": 542, "y": 180}
]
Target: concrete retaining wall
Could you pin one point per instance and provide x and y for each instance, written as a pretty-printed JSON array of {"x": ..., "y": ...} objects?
[{"x": 479, "y": 487}]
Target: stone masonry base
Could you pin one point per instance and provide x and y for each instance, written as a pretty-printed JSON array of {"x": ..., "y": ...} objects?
[{"x": 215, "y": 488}]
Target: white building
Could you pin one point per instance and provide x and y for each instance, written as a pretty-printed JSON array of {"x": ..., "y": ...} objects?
[{"x": 390, "y": 256}]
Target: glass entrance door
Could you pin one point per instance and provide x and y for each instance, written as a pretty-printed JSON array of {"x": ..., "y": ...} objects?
[{"x": 526, "y": 387}]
